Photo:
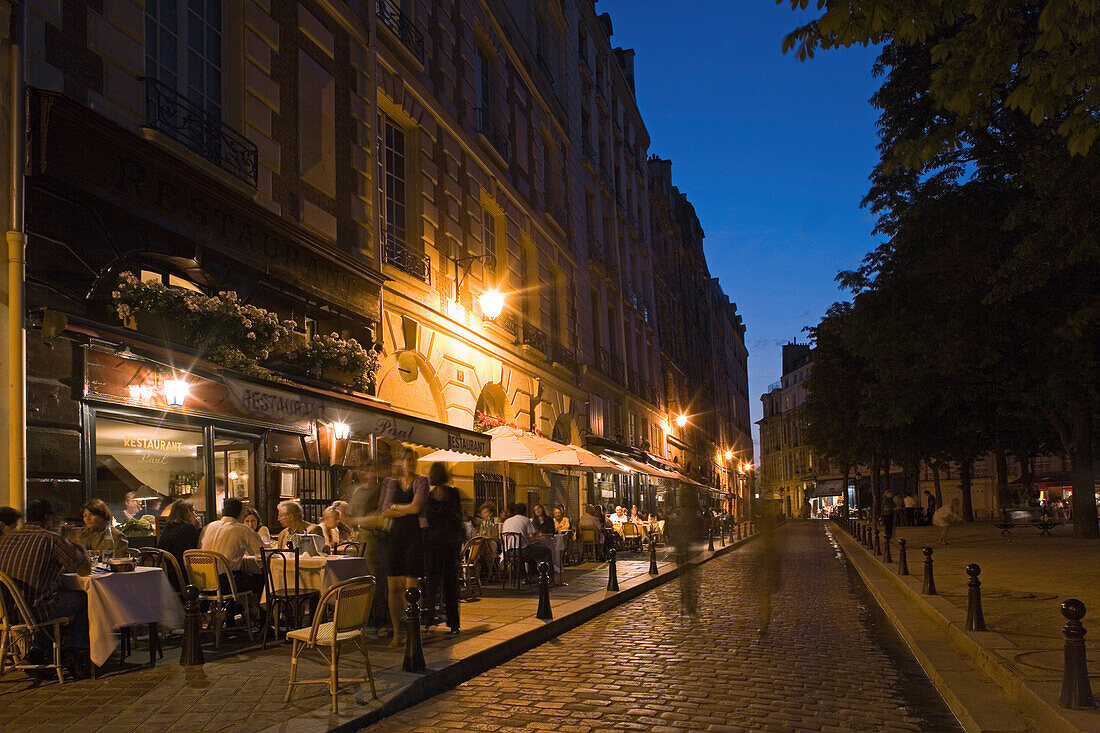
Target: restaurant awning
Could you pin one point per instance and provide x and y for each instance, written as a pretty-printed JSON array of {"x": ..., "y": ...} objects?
[
  {"x": 640, "y": 466},
  {"x": 828, "y": 487}
]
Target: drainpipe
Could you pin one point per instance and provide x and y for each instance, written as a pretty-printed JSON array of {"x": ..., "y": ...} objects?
[{"x": 17, "y": 246}]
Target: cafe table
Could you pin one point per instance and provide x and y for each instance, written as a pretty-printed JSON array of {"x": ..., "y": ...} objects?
[
  {"x": 319, "y": 572},
  {"x": 556, "y": 543},
  {"x": 142, "y": 596}
]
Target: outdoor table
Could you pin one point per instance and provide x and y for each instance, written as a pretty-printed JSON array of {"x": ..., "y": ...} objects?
[
  {"x": 320, "y": 572},
  {"x": 556, "y": 543},
  {"x": 117, "y": 600}
]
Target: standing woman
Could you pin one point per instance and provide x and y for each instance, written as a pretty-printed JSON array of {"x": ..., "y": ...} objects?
[
  {"x": 406, "y": 503},
  {"x": 445, "y": 536}
]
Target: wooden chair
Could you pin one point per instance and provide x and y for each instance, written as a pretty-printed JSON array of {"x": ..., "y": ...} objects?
[
  {"x": 18, "y": 629},
  {"x": 203, "y": 569},
  {"x": 289, "y": 596},
  {"x": 470, "y": 565},
  {"x": 589, "y": 543},
  {"x": 512, "y": 564},
  {"x": 351, "y": 602}
]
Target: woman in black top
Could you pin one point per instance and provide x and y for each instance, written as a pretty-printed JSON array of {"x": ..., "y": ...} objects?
[
  {"x": 181, "y": 533},
  {"x": 543, "y": 522},
  {"x": 445, "y": 536}
]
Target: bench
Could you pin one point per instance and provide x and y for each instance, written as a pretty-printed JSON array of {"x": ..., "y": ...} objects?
[{"x": 1013, "y": 517}]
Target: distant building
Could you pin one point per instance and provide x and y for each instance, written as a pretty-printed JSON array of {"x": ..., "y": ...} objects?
[{"x": 786, "y": 460}]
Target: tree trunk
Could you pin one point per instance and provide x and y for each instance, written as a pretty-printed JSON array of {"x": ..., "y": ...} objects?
[
  {"x": 1027, "y": 479},
  {"x": 1001, "y": 473},
  {"x": 966, "y": 470},
  {"x": 935, "y": 466},
  {"x": 876, "y": 489},
  {"x": 1084, "y": 486}
]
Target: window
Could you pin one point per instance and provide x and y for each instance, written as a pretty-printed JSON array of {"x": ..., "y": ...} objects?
[
  {"x": 191, "y": 29},
  {"x": 489, "y": 241},
  {"x": 595, "y": 301},
  {"x": 631, "y": 423},
  {"x": 484, "y": 81},
  {"x": 391, "y": 182}
]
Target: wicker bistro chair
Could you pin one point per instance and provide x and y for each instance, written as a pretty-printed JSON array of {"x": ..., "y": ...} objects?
[
  {"x": 18, "y": 628},
  {"x": 290, "y": 597},
  {"x": 351, "y": 602},
  {"x": 631, "y": 535},
  {"x": 512, "y": 564},
  {"x": 589, "y": 543},
  {"x": 470, "y": 564},
  {"x": 203, "y": 569}
]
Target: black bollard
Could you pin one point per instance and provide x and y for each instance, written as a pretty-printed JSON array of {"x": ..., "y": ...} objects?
[
  {"x": 975, "y": 619},
  {"x": 414, "y": 648},
  {"x": 1076, "y": 690},
  {"x": 878, "y": 542},
  {"x": 903, "y": 564},
  {"x": 722, "y": 535},
  {"x": 710, "y": 539},
  {"x": 929, "y": 586},
  {"x": 544, "y": 612},
  {"x": 653, "y": 557},
  {"x": 887, "y": 557},
  {"x": 191, "y": 653},
  {"x": 612, "y": 575}
]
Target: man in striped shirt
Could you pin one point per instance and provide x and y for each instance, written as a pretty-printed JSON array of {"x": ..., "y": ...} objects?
[{"x": 34, "y": 557}]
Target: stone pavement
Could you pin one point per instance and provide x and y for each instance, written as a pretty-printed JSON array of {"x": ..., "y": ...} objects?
[
  {"x": 1019, "y": 659},
  {"x": 241, "y": 689},
  {"x": 828, "y": 661}
]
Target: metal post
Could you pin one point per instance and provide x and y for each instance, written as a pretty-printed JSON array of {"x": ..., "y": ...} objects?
[
  {"x": 878, "y": 542},
  {"x": 612, "y": 574},
  {"x": 929, "y": 586},
  {"x": 975, "y": 620},
  {"x": 544, "y": 613},
  {"x": 191, "y": 654},
  {"x": 1076, "y": 690},
  {"x": 653, "y": 557},
  {"x": 414, "y": 648},
  {"x": 887, "y": 557},
  {"x": 710, "y": 539},
  {"x": 903, "y": 564}
]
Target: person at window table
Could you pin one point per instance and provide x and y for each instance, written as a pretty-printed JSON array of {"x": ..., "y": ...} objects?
[
  {"x": 543, "y": 522},
  {"x": 561, "y": 522},
  {"x": 131, "y": 507},
  {"x": 521, "y": 525},
  {"x": 34, "y": 557},
  {"x": 332, "y": 530},
  {"x": 445, "y": 537},
  {"x": 99, "y": 534},
  {"x": 293, "y": 521},
  {"x": 10, "y": 519},
  {"x": 406, "y": 503},
  {"x": 232, "y": 538},
  {"x": 180, "y": 533}
]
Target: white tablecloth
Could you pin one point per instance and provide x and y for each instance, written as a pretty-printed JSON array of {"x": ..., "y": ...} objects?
[
  {"x": 556, "y": 545},
  {"x": 115, "y": 600},
  {"x": 319, "y": 573}
]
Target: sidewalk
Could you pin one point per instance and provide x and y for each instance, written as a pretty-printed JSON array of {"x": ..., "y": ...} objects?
[
  {"x": 242, "y": 691},
  {"x": 1009, "y": 677}
]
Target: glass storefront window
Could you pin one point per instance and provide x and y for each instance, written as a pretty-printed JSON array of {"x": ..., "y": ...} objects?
[
  {"x": 136, "y": 457},
  {"x": 234, "y": 471}
]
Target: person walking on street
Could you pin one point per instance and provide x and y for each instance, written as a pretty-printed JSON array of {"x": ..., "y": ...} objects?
[
  {"x": 406, "y": 503},
  {"x": 445, "y": 536}
]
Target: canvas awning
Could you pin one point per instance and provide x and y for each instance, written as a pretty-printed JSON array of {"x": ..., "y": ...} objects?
[{"x": 828, "y": 487}]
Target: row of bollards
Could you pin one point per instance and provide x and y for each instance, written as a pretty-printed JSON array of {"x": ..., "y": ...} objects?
[{"x": 1076, "y": 691}]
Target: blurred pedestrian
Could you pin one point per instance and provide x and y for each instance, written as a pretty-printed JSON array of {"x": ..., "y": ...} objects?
[
  {"x": 406, "y": 504},
  {"x": 445, "y": 537},
  {"x": 944, "y": 517},
  {"x": 766, "y": 569}
]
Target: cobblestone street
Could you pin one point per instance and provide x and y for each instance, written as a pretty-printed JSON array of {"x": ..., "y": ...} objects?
[{"x": 829, "y": 661}]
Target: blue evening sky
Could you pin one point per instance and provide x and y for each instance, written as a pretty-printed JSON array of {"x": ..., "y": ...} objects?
[{"x": 773, "y": 152}]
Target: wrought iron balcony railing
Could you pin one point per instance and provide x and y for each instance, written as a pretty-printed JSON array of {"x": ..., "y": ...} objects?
[
  {"x": 602, "y": 360},
  {"x": 488, "y": 128},
  {"x": 200, "y": 131},
  {"x": 389, "y": 12},
  {"x": 615, "y": 365},
  {"x": 397, "y": 254},
  {"x": 534, "y": 337},
  {"x": 634, "y": 383},
  {"x": 563, "y": 355}
]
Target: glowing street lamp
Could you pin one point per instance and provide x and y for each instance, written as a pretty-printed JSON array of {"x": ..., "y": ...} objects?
[
  {"x": 682, "y": 419},
  {"x": 729, "y": 455},
  {"x": 492, "y": 303}
]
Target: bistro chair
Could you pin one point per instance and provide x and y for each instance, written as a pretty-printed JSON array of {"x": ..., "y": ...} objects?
[
  {"x": 589, "y": 543},
  {"x": 470, "y": 565},
  {"x": 631, "y": 535},
  {"x": 287, "y": 596},
  {"x": 569, "y": 556},
  {"x": 203, "y": 569},
  {"x": 18, "y": 629},
  {"x": 351, "y": 601},
  {"x": 512, "y": 564},
  {"x": 348, "y": 548}
]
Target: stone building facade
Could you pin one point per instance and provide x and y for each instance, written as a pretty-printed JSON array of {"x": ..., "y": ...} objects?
[{"x": 368, "y": 169}]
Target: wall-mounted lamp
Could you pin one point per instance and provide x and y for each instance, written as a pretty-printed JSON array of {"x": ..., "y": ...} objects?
[
  {"x": 682, "y": 419},
  {"x": 141, "y": 392},
  {"x": 176, "y": 391},
  {"x": 729, "y": 455},
  {"x": 492, "y": 303},
  {"x": 492, "y": 300},
  {"x": 341, "y": 430}
]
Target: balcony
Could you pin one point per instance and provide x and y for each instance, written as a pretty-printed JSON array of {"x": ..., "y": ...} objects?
[
  {"x": 487, "y": 128},
  {"x": 202, "y": 132},
  {"x": 563, "y": 355},
  {"x": 615, "y": 365},
  {"x": 634, "y": 383},
  {"x": 534, "y": 337},
  {"x": 602, "y": 360},
  {"x": 401, "y": 26},
  {"x": 396, "y": 253}
]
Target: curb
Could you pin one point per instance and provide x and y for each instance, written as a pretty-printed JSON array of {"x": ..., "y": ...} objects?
[
  {"x": 984, "y": 649},
  {"x": 453, "y": 674}
]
